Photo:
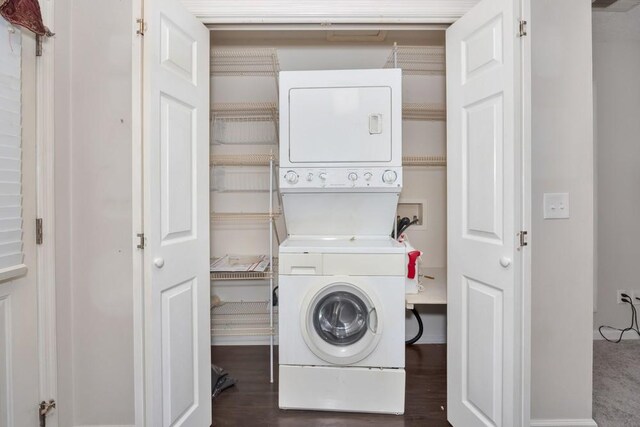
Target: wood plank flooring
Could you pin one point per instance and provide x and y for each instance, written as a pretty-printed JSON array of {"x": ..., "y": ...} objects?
[{"x": 253, "y": 401}]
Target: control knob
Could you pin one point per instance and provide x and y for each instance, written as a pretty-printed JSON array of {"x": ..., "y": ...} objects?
[
  {"x": 389, "y": 176},
  {"x": 291, "y": 177},
  {"x": 352, "y": 176},
  {"x": 310, "y": 176},
  {"x": 368, "y": 176},
  {"x": 322, "y": 176}
]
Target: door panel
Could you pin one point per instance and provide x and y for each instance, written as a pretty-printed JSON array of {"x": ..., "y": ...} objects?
[
  {"x": 176, "y": 216},
  {"x": 19, "y": 311},
  {"x": 177, "y": 146},
  {"x": 483, "y": 189},
  {"x": 483, "y": 343},
  {"x": 482, "y": 170},
  {"x": 179, "y": 352}
]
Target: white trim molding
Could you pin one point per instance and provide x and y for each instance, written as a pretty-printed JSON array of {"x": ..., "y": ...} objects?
[
  {"x": 45, "y": 208},
  {"x": 106, "y": 425},
  {"x": 562, "y": 422},
  {"x": 328, "y": 11}
]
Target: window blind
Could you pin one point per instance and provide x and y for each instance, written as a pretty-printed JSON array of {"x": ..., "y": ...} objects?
[{"x": 11, "y": 248}]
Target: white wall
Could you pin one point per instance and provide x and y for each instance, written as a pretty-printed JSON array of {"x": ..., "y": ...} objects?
[
  {"x": 562, "y": 250},
  {"x": 616, "y": 60},
  {"x": 93, "y": 212}
]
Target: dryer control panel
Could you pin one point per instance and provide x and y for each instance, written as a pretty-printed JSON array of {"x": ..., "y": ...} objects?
[{"x": 341, "y": 178}]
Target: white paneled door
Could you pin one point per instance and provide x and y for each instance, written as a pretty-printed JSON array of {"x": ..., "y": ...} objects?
[
  {"x": 19, "y": 350},
  {"x": 485, "y": 289},
  {"x": 176, "y": 216}
]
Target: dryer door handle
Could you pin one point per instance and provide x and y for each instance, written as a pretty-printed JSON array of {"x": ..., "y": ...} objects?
[{"x": 372, "y": 310}]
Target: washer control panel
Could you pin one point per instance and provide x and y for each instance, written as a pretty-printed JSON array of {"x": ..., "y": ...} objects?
[{"x": 341, "y": 178}]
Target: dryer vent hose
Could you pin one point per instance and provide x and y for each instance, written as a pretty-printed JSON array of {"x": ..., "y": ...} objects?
[{"x": 420, "y": 328}]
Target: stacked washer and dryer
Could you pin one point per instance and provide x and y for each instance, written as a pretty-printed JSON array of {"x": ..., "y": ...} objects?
[{"x": 342, "y": 277}]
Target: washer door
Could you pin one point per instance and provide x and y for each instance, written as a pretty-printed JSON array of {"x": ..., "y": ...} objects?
[{"x": 341, "y": 322}]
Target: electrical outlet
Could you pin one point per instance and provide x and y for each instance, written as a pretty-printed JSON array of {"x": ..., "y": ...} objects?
[
  {"x": 619, "y": 293},
  {"x": 635, "y": 294}
]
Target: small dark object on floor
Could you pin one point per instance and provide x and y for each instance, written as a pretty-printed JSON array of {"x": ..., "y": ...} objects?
[{"x": 220, "y": 380}]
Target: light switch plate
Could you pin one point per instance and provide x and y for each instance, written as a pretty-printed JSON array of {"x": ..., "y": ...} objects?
[{"x": 556, "y": 205}]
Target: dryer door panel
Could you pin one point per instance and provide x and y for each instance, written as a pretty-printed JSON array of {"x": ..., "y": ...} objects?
[{"x": 340, "y": 124}]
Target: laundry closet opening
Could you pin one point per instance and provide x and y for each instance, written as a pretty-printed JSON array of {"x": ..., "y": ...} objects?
[{"x": 246, "y": 208}]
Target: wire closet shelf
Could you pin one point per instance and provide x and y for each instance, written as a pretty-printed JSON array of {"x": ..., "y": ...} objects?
[
  {"x": 417, "y": 60},
  {"x": 245, "y": 62},
  {"x": 243, "y": 318},
  {"x": 250, "y": 123}
]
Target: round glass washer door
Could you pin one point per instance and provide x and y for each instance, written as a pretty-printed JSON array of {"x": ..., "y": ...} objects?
[{"x": 341, "y": 322}]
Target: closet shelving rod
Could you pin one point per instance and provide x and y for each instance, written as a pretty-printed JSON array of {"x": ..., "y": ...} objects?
[
  {"x": 423, "y": 112},
  {"x": 417, "y": 60},
  {"x": 424, "y": 160},
  {"x": 271, "y": 227}
]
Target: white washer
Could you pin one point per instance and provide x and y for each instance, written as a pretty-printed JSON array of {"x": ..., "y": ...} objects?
[{"x": 341, "y": 325}]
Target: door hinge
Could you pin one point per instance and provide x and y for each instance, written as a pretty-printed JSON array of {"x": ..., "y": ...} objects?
[
  {"x": 140, "y": 236},
  {"x": 39, "y": 45},
  {"x": 43, "y": 410},
  {"x": 523, "y": 238},
  {"x": 142, "y": 26},
  {"x": 39, "y": 232},
  {"x": 522, "y": 28}
]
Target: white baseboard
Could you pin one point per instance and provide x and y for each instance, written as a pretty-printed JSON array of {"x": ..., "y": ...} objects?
[
  {"x": 587, "y": 422},
  {"x": 613, "y": 335},
  {"x": 221, "y": 341},
  {"x": 432, "y": 339},
  {"x": 107, "y": 425}
]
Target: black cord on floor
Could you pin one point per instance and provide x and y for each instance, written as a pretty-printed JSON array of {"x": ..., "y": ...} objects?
[
  {"x": 634, "y": 322},
  {"x": 420, "y": 328}
]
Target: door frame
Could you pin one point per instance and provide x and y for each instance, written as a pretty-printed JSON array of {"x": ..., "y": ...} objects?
[
  {"x": 258, "y": 14},
  {"x": 45, "y": 209}
]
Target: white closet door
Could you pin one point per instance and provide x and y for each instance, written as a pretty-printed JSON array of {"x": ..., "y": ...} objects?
[
  {"x": 485, "y": 337},
  {"x": 176, "y": 216},
  {"x": 19, "y": 310}
]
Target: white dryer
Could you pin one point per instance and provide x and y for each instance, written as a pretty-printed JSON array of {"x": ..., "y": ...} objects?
[
  {"x": 341, "y": 326},
  {"x": 340, "y": 170}
]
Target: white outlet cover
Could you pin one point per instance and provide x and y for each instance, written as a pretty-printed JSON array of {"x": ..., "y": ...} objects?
[{"x": 556, "y": 205}]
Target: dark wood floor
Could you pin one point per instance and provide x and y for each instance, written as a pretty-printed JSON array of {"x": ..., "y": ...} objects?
[{"x": 253, "y": 401}]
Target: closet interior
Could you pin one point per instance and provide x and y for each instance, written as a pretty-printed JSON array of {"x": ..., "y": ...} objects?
[{"x": 246, "y": 219}]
